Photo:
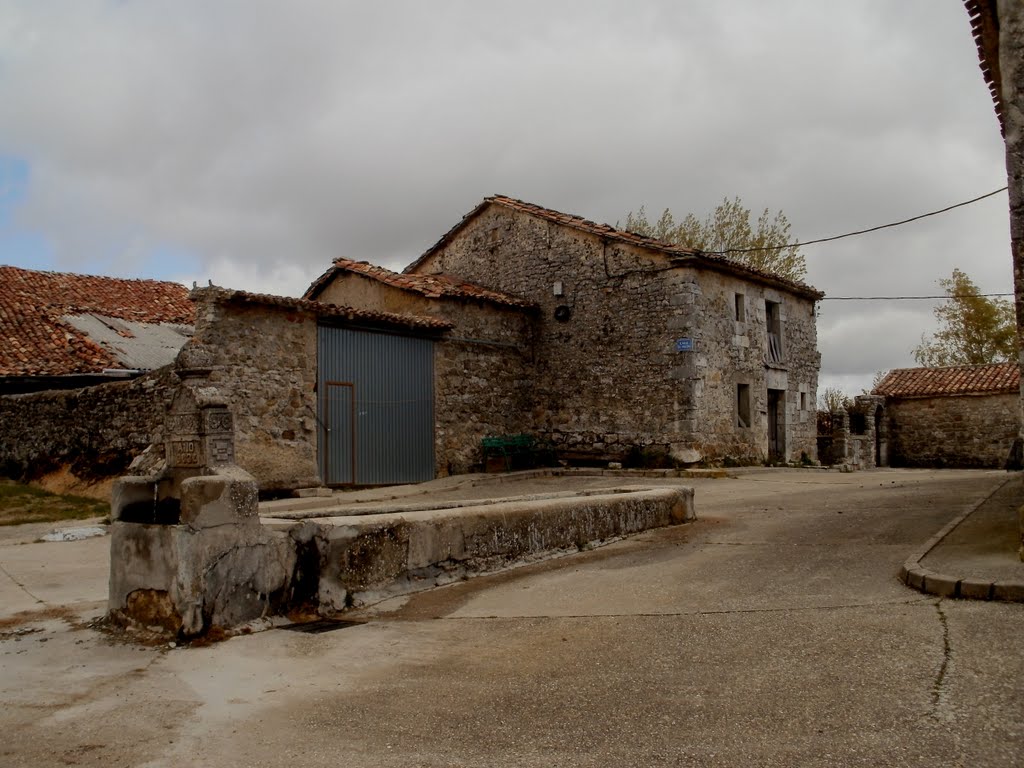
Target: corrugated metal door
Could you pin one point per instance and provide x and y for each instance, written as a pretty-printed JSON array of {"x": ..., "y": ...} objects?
[{"x": 376, "y": 407}]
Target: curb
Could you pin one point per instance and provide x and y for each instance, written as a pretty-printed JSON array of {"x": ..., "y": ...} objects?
[{"x": 916, "y": 576}]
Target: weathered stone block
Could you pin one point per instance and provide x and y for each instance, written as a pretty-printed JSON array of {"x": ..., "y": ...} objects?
[
  {"x": 685, "y": 454},
  {"x": 436, "y": 542},
  {"x": 374, "y": 556},
  {"x": 229, "y": 497},
  {"x": 141, "y": 557}
]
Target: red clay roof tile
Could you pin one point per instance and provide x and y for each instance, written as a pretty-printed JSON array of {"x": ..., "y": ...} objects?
[
  {"x": 985, "y": 28},
  {"x": 36, "y": 341},
  {"x": 994, "y": 378}
]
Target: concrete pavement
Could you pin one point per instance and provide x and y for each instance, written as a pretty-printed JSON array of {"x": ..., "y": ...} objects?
[
  {"x": 772, "y": 631},
  {"x": 976, "y": 554},
  {"x": 36, "y": 576}
]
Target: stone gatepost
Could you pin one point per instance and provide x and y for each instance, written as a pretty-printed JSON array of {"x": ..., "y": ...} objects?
[
  {"x": 874, "y": 451},
  {"x": 188, "y": 551},
  {"x": 841, "y": 437}
]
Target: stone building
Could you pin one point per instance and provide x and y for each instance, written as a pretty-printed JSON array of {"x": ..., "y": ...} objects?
[
  {"x": 520, "y": 320},
  {"x": 638, "y": 343},
  {"x": 360, "y": 393},
  {"x": 605, "y": 343},
  {"x": 958, "y": 416}
]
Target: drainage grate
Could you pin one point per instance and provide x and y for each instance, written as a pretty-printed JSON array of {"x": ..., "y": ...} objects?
[{"x": 321, "y": 625}]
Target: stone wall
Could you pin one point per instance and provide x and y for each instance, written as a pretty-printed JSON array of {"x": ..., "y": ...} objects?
[
  {"x": 95, "y": 431},
  {"x": 731, "y": 351},
  {"x": 608, "y": 376},
  {"x": 264, "y": 359},
  {"x": 961, "y": 431},
  {"x": 860, "y": 434}
]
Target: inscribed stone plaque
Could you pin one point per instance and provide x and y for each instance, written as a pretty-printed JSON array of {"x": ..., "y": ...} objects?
[
  {"x": 220, "y": 450},
  {"x": 217, "y": 420},
  {"x": 182, "y": 423},
  {"x": 184, "y": 453}
]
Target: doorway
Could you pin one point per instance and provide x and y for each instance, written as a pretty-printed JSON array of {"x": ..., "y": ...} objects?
[
  {"x": 376, "y": 402},
  {"x": 777, "y": 425}
]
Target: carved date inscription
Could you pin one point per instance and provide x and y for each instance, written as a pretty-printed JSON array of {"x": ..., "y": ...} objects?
[{"x": 184, "y": 453}]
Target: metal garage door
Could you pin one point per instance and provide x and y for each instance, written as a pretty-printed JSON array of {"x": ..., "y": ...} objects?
[{"x": 376, "y": 395}]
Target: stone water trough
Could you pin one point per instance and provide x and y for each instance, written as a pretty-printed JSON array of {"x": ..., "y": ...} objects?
[
  {"x": 190, "y": 550},
  {"x": 362, "y": 557}
]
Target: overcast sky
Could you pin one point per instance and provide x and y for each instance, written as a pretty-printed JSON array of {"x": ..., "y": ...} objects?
[{"x": 250, "y": 142}]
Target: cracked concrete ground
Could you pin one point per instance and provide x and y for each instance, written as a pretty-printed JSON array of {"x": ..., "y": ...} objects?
[{"x": 772, "y": 631}]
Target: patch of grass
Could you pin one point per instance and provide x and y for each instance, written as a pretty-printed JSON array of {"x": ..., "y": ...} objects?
[{"x": 20, "y": 503}]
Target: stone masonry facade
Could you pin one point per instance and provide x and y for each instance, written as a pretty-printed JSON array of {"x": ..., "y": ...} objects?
[
  {"x": 263, "y": 351},
  {"x": 264, "y": 364},
  {"x": 632, "y": 349},
  {"x": 95, "y": 431},
  {"x": 600, "y": 341},
  {"x": 961, "y": 431}
]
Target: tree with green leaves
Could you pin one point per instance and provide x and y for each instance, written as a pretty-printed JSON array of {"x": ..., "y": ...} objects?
[
  {"x": 973, "y": 329},
  {"x": 771, "y": 247}
]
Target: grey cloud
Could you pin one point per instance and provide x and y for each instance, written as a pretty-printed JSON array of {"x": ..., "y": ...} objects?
[{"x": 268, "y": 138}]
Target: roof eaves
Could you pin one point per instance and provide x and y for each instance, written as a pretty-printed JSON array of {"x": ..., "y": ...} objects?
[
  {"x": 950, "y": 381},
  {"x": 433, "y": 286},
  {"x": 984, "y": 19},
  {"x": 448, "y": 235},
  {"x": 320, "y": 283},
  {"x": 226, "y": 295}
]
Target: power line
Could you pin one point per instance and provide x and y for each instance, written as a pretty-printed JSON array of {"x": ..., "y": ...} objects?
[
  {"x": 911, "y": 298},
  {"x": 861, "y": 231}
]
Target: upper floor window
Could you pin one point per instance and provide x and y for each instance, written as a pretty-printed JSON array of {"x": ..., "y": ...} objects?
[
  {"x": 773, "y": 323},
  {"x": 741, "y": 310}
]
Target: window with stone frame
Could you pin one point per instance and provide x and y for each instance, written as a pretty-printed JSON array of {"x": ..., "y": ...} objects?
[{"x": 741, "y": 309}]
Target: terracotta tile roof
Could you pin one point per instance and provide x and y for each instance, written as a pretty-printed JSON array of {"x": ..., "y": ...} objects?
[
  {"x": 674, "y": 252},
  {"x": 36, "y": 340},
  {"x": 431, "y": 286},
  {"x": 985, "y": 28},
  {"x": 953, "y": 380},
  {"x": 320, "y": 309}
]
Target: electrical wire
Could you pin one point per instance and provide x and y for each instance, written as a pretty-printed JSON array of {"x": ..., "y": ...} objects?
[
  {"x": 859, "y": 231},
  {"x": 911, "y": 298}
]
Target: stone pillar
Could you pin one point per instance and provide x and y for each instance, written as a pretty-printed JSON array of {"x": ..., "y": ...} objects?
[
  {"x": 874, "y": 431},
  {"x": 841, "y": 437},
  {"x": 187, "y": 549}
]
